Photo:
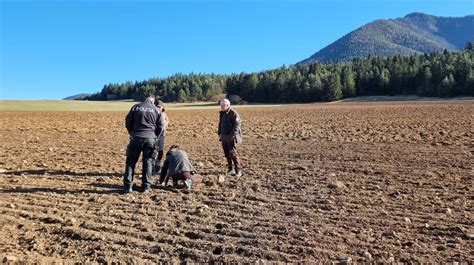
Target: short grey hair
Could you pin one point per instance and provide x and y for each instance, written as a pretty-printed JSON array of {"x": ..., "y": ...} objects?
[{"x": 224, "y": 101}]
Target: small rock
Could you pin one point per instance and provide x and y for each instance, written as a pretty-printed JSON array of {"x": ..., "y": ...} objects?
[
  {"x": 155, "y": 249},
  {"x": 390, "y": 260},
  {"x": 407, "y": 220},
  {"x": 299, "y": 168},
  {"x": 70, "y": 221},
  {"x": 389, "y": 233},
  {"x": 394, "y": 194},
  {"x": 24, "y": 214},
  {"x": 202, "y": 208},
  {"x": 336, "y": 185},
  {"x": 11, "y": 205},
  {"x": 469, "y": 236},
  {"x": 155, "y": 198},
  {"x": 344, "y": 260},
  {"x": 332, "y": 174},
  {"x": 9, "y": 259},
  {"x": 221, "y": 179},
  {"x": 367, "y": 255},
  {"x": 448, "y": 211}
]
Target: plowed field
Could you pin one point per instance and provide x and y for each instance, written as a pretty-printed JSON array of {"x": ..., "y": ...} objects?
[{"x": 346, "y": 182}]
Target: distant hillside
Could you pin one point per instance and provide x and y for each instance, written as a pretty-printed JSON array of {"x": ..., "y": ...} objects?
[
  {"x": 78, "y": 96},
  {"x": 414, "y": 33}
]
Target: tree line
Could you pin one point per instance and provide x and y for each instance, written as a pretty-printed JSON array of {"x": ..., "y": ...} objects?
[{"x": 446, "y": 74}]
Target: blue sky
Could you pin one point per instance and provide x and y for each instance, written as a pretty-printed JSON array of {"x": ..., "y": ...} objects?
[{"x": 54, "y": 49}]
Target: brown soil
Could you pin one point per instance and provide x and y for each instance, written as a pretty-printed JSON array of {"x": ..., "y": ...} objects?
[{"x": 351, "y": 182}]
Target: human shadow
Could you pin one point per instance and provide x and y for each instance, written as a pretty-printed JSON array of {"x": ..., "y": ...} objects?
[
  {"x": 110, "y": 188},
  {"x": 106, "y": 185},
  {"x": 61, "y": 173},
  {"x": 61, "y": 190},
  {"x": 98, "y": 183}
]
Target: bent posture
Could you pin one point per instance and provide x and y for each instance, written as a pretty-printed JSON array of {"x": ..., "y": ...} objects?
[{"x": 178, "y": 167}]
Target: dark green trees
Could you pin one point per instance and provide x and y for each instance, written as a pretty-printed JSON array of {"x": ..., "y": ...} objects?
[{"x": 446, "y": 74}]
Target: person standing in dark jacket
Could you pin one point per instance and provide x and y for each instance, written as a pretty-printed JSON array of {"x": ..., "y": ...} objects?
[
  {"x": 144, "y": 125},
  {"x": 230, "y": 135}
]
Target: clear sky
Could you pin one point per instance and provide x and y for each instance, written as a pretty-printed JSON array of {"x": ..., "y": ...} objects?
[{"x": 55, "y": 49}]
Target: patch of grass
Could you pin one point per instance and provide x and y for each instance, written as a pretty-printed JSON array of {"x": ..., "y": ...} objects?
[
  {"x": 79, "y": 105},
  {"x": 63, "y": 105}
]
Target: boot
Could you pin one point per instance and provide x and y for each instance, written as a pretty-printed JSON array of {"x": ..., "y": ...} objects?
[
  {"x": 238, "y": 171},
  {"x": 230, "y": 168}
]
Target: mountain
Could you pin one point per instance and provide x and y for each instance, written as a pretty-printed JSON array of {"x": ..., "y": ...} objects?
[
  {"x": 78, "y": 96},
  {"x": 414, "y": 33}
]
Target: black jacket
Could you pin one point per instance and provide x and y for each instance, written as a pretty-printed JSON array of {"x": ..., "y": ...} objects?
[{"x": 144, "y": 120}]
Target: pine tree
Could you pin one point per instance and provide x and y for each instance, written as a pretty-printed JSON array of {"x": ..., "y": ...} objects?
[
  {"x": 334, "y": 88},
  {"x": 182, "y": 97},
  {"x": 469, "y": 46},
  {"x": 469, "y": 85},
  {"x": 348, "y": 83},
  {"x": 444, "y": 88},
  {"x": 424, "y": 84}
]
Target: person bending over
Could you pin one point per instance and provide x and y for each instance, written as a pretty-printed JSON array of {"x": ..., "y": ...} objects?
[{"x": 178, "y": 167}]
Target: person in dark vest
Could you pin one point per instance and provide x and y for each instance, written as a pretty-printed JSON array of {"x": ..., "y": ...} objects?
[
  {"x": 178, "y": 167},
  {"x": 158, "y": 154},
  {"x": 230, "y": 135},
  {"x": 144, "y": 125}
]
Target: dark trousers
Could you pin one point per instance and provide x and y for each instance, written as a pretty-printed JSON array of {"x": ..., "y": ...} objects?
[
  {"x": 230, "y": 152},
  {"x": 136, "y": 146},
  {"x": 158, "y": 154}
]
